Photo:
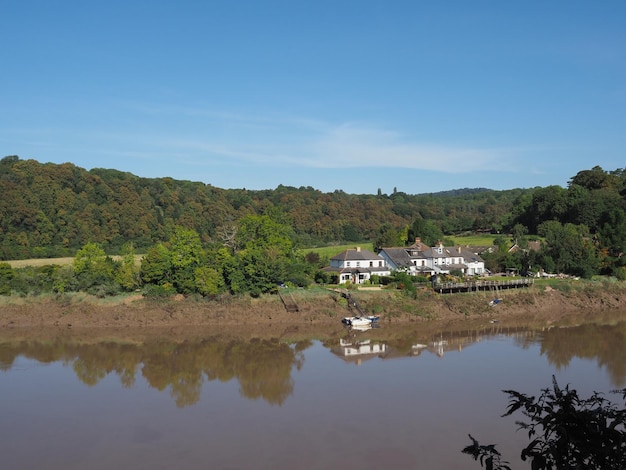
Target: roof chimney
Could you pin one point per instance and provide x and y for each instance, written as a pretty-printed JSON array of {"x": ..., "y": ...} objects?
[
  {"x": 459, "y": 249},
  {"x": 358, "y": 249}
]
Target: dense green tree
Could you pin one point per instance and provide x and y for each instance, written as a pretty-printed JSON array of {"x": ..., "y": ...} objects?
[
  {"x": 426, "y": 230},
  {"x": 571, "y": 248},
  {"x": 519, "y": 232},
  {"x": 596, "y": 178},
  {"x": 262, "y": 232},
  {"x": 127, "y": 275},
  {"x": 549, "y": 203},
  {"x": 209, "y": 281},
  {"x": 388, "y": 236},
  {"x": 6, "y": 276},
  {"x": 234, "y": 275},
  {"x": 53, "y": 210},
  {"x": 50, "y": 210},
  {"x": 186, "y": 254},
  {"x": 94, "y": 269},
  {"x": 156, "y": 266}
]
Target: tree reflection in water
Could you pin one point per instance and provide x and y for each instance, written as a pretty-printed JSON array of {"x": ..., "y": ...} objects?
[
  {"x": 605, "y": 344},
  {"x": 263, "y": 366}
]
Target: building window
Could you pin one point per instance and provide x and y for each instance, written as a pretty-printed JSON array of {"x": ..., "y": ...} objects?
[
  {"x": 348, "y": 264},
  {"x": 371, "y": 264},
  {"x": 358, "y": 263}
]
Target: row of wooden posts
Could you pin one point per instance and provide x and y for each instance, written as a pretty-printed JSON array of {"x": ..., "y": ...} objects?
[{"x": 442, "y": 288}]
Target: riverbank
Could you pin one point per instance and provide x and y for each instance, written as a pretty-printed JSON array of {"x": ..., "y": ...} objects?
[{"x": 571, "y": 303}]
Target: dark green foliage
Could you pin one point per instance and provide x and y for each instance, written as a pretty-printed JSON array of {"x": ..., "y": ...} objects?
[
  {"x": 95, "y": 271},
  {"x": 566, "y": 432},
  {"x": 388, "y": 236},
  {"x": 153, "y": 291},
  {"x": 104, "y": 289},
  {"x": 571, "y": 248},
  {"x": 127, "y": 274},
  {"x": 156, "y": 266},
  {"x": 405, "y": 282},
  {"x": 50, "y": 210},
  {"x": 427, "y": 230},
  {"x": 6, "y": 276},
  {"x": 322, "y": 277},
  {"x": 38, "y": 280},
  {"x": 53, "y": 210}
]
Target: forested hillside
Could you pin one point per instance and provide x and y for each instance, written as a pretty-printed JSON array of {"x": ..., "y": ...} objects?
[
  {"x": 51, "y": 210},
  {"x": 203, "y": 240}
]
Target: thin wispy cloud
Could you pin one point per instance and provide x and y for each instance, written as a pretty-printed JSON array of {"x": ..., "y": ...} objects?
[
  {"x": 226, "y": 138},
  {"x": 308, "y": 142}
]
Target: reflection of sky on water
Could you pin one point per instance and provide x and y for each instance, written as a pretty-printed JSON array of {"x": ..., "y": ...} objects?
[{"x": 402, "y": 406}]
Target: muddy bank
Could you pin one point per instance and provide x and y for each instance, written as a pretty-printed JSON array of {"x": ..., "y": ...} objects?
[{"x": 318, "y": 311}]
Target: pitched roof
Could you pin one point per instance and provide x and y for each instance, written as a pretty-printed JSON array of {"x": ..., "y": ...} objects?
[
  {"x": 356, "y": 254},
  {"x": 399, "y": 256},
  {"x": 402, "y": 256}
]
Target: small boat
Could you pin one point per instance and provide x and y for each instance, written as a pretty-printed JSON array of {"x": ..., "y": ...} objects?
[
  {"x": 494, "y": 302},
  {"x": 357, "y": 321}
]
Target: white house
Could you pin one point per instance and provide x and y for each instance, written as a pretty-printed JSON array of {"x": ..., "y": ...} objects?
[
  {"x": 357, "y": 266},
  {"x": 422, "y": 260}
]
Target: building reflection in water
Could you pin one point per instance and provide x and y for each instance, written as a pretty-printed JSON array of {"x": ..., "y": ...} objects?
[{"x": 264, "y": 367}]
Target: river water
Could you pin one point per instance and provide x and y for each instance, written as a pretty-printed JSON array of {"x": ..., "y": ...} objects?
[{"x": 354, "y": 400}]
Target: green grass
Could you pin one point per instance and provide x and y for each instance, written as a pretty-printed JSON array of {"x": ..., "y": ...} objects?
[
  {"x": 476, "y": 240},
  {"x": 38, "y": 262},
  {"x": 330, "y": 251}
]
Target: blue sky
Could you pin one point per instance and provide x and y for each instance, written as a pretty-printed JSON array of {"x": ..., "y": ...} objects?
[{"x": 352, "y": 95}]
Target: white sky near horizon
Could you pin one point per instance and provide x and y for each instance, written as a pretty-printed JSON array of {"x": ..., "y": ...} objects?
[{"x": 351, "y": 95}]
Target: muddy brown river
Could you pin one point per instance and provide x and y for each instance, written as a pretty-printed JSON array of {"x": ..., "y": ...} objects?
[{"x": 349, "y": 402}]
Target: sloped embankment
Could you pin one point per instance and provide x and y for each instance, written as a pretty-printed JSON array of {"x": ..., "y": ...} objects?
[{"x": 569, "y": 304}]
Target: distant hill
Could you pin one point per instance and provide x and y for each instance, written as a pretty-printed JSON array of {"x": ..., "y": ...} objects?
[
  {"x": 459, "y": 192},
  {"x": 51, "y": 210}
]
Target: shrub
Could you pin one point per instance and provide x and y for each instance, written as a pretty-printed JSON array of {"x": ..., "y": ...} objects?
[
  {"x": 153, "y": 291},
  {"x": 568, "y": 432}
]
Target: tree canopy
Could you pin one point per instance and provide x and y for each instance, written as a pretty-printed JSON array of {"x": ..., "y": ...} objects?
[{"x": 201, "y": 239}]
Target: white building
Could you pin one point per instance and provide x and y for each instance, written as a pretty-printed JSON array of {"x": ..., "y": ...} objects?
[
  {"x": 357, "y": 266},
  {"x": 421, "y": 260}
]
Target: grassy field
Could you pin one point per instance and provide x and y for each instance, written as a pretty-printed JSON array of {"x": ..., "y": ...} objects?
[
  {"x": 324, "y": 251},
  {"x": 38, "y": 262},
  {"x": 330, "y": 251},
  {"x": 475, "y": 240}
]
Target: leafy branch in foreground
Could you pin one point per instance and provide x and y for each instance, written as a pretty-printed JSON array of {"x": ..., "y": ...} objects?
[
  {"x": 488, "y": 455},
  {"x": 567, "y": 432}
]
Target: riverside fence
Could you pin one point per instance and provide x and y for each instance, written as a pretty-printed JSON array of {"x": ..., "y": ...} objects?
[{"x": 481, "y": 286}]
